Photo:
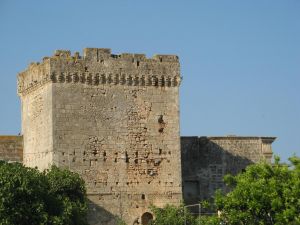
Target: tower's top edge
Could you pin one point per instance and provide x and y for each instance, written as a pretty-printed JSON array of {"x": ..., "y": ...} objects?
[
  {"x": 99, "y": 54},
  {"x": 99, "y": 66}
]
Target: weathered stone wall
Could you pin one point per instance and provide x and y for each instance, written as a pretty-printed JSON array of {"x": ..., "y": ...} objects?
[
  {"x": 114, "y": 119},
  {"x": 11, "y": 148},
  {"x": 35, "y": 92},
  {"x": 37, "y": 127},
  {"x": 206, "y": 160}
]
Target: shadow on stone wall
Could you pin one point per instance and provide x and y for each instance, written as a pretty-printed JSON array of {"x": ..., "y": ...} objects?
[
  {"x": 204, "y": 164},
  {"x": 100, "y": 216}
]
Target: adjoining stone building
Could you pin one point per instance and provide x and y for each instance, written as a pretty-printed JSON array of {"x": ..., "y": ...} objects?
[
  {"x": 11, "y": 148},
  {"x": 205, "y": 161},
  {"x": 114, "y": 119}
]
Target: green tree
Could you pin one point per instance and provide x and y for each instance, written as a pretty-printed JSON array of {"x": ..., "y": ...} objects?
[
  {"x": 68, "y": 194},
  {"x": 23, "y": 193},
  {"x": 170, "y": 214},
  {"x": 28, "y": 196},
  {"x": 179, "y": 215},
  {"x": 208, "y": 220},
  {"x": 263, "y": 194}
]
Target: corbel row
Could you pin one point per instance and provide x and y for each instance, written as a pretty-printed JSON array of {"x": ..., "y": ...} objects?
[{"x": 116, "y": 79}]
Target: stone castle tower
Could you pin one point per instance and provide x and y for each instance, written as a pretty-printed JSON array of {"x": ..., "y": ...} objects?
[{"x": 114, "y": 119}]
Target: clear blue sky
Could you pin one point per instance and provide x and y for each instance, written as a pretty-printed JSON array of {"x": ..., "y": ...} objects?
[{"x": 240, "y": 60}]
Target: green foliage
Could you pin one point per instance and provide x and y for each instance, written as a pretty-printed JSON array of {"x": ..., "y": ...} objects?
[
  {"x": 171, "y": 214},
  {"x": 28, "y": 196},
  {"x": 179, "y": 215},
  {"x": 263, "y": 194},
  {"x": 208, "y": 220},
  {"x": 69, "y": 192},
  {"x": 23, "y": 193},
  {"x": 120, "y": 222}
]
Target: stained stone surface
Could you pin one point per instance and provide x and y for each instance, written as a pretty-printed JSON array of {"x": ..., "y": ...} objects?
[
  {"x": 205, "y": 161},
  {"x": 11, "y": 148},
  {"x": 114, "y": 119}
]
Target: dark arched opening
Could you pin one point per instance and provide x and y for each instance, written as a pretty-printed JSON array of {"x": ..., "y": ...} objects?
[{"x": 147, "y": 218}]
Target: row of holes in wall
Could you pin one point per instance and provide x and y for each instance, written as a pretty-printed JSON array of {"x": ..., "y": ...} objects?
[
  {"x": 130, "y": 183},
  {"x": 143, "y": 197},
  {"x": 136, "y": 161},
  {"x": 126, "y": 158}
]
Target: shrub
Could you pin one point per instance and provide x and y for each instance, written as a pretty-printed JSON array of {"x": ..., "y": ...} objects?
[{"x": 28, "y": 196}]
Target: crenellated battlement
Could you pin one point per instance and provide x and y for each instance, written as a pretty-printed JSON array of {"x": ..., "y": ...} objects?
[
  {"x": 98, "y": 54},
  {"x": 98, "y": 66}
]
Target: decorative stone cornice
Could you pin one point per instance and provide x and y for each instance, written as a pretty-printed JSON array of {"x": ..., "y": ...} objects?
[
  {"x": 266, "y": 140},
  {"x": 26, "y": 86},
  {"x": 100, "y": 79},
  {"x": 99, "y": 67},
  {"x": 115, "y": 79},
  {"x": 234, "y": 137}
]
